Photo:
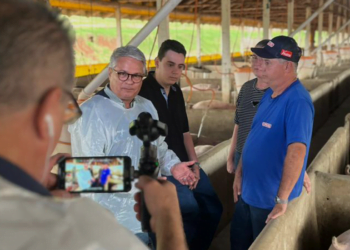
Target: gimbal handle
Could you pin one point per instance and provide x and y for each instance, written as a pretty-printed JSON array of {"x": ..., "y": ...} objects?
[{"x": 147, "y": 130}]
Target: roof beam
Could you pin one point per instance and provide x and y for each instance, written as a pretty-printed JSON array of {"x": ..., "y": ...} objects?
[
  {"x": 135, "y": 41},
  {"x": 312, "y": 17}
]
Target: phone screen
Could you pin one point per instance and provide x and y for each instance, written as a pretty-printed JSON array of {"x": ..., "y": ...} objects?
[{"x": 96, "y": 174}]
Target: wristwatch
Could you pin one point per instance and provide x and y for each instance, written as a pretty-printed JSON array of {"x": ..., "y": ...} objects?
[
  {"x": 196, "y": 163},
  {"x": 280, "y": 201}
]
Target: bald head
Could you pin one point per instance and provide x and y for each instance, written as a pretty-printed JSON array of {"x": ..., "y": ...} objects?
[{"x": 36, "y": 54}]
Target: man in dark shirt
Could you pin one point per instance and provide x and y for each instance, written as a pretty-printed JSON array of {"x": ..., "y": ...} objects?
[
  {"x": 200, "y": 207},
  {"x": 247, "y": 104}
]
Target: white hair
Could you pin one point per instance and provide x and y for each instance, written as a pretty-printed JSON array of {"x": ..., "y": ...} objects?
[
  {"x": 128, "y": 51},
  {"x": 295, "y": 65}
]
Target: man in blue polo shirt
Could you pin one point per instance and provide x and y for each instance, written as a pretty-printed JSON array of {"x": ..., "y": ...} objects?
[
  {"x": 105, "y": 176},
  {"x": 274, "y": 157}
]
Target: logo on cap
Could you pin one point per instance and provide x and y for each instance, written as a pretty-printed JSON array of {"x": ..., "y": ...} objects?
[
  {"x": 286, "y": 53},
  {"x": 271, "y": 44}
]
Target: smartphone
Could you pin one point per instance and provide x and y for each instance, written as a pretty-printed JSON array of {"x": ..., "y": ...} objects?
[{"x": 96, "y": 174}]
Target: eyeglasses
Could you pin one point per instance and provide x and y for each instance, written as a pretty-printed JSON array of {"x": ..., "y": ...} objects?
[
  {"x": 124, "y": 76},
  {"x": 73, "y": 111}
]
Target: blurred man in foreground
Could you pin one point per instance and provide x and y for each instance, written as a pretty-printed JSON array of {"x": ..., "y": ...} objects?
[{"x": 36, "y": 76}]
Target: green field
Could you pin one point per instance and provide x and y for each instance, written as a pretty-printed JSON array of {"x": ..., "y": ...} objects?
[{"x": 96, "y": 38}]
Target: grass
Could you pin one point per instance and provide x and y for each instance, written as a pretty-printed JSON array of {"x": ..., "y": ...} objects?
[{"x": 90, "y": 30}]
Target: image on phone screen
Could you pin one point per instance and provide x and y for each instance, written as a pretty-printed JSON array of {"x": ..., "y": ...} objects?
[{"x": 94, "y": 174}]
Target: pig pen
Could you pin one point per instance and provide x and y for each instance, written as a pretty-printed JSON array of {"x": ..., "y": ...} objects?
[
  {"x": 327, "y": 91},
  {"x": 312, "y": 219}
]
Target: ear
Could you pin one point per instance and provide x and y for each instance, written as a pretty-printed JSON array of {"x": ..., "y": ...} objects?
[
  {"x": 110, "y": 72},
  {"x": 156, "y": 61},
  {"x": 50, "y": 106},
  {"x": 289, "y": 66}
]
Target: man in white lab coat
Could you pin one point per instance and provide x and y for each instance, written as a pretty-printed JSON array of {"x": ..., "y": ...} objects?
[{"x": 103, "y": 130}]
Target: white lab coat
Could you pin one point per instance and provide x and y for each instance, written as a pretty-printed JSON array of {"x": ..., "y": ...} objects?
[
  {"x": 103, "y": 130},
  {"x": 34, "y": 222}
]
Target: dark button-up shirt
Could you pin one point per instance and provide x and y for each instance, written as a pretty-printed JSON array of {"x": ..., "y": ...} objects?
[{"x": 171, "y": 110}]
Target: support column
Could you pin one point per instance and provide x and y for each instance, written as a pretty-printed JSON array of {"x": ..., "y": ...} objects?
[
  {"x": 163, "y": 31},
  {"x": 330, "y": 26},
  {"x": 308, "y": 29},
  {"x": 344, "y": 20},
  {"x": 290, "y": 16},
  {"x": 312, "y": 37},
  {"x": 348, "y": 31},
  {"x": 338, "y": 26},
  {"x": 266, "y": 18},
  {"x": 260, "y": 37},
  {"x": 241, "y": 49},
  {"x": 314, "y": 15},
  {"x": 226, "y": 52},
  {"x": 198, "y": 26},
  {"x": 270, "y": 32},
  {"x": 118, "y": 18},
  {"x": 319, "y": 40},
  {"x": 330, "y": 37}
]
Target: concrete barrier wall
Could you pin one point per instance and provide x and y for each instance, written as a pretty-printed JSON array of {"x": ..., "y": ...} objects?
[
  {"x": 198, "y": 96},
  {"x": 214, "y": 164},
  {"x": 333, "y": 206},
  {"x": 217, "y": 126},
  {"x": 341, "y": 88},
  {"x": 312, "y": 219},
  {"x": 321, "y": 97}
]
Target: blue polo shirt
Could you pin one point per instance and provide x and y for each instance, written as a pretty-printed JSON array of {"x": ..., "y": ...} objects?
[
  {"x": 279, "y": 122},
  {"x": 104, "y": 175},
  {"x": 20, "y": 178}
]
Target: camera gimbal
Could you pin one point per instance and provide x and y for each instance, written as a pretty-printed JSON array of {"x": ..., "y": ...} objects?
[{"x": 147, "y": 130}]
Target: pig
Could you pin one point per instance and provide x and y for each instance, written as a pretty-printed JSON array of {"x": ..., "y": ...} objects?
[
  {"x": 215, "y": 104},
  {"x": 342, "y": 242},
  {"x": 347, "y": 169}
]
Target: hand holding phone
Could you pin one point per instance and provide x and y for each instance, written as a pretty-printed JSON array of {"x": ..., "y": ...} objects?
[{"x": 160, "y": 197}]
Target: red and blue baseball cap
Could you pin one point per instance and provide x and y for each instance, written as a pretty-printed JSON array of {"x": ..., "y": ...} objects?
[{"x": 283, "y": 47}]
